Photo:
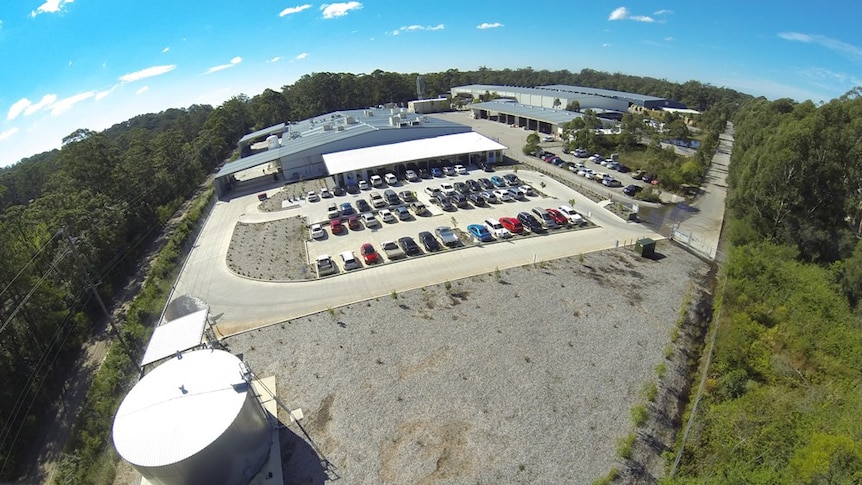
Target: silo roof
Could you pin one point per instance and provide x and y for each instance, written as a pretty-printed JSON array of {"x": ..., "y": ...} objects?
[
  {"x": 175, "y": 336},
  {"x": 180, "y": 408}
]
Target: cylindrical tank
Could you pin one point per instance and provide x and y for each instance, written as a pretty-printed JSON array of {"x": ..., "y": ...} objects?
[
  {"x": 194, "y": 420},
  {"x": 272, "y": 142}
]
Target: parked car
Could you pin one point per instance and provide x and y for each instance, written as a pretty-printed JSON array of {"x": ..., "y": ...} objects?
[
  {"x": 527, "y": 190},
  {"x": 369, "y": 220},
  {"x": 480, "y": 233},
  {"x": 489, "y": 197},
  {"x": 449, "y": 171},
  {"x": 353, "y": 223},
  {"x": 424, "y": 173},
  {"x": 461, "y": 170},
  {"x": 312, "y": 196},
  {"x": 377, "y": 200},
  {"x": 486, "y": 183},
  {"x": 402, "y": 213},
  {"x": 474, "y": 186},
  {"x": 476, "y": 200},
  {"x": 503, "y": 195},
  {"x": 325, "y": 193},
  {"x": 409, "y": 246},
  {"x": 317, "y": 231},
  {"x": 496, "y": 228},
  {"x": 444, "y": 202},
  {"x": 498, "y": 181},
  {"x": 544, "y": 217},
  {"x": 632, "y": 190},
  {"x": 513, "y": 225},
  {"x": 336, "y": 226},
  {"x": 433, "y": 191},
  {"x": 572, "y": 215},
  {"x": 429, "y": 241},
  {"x": 392, "y": 250},
  {"x": 447, "y": 188},
  {"x": 530, "y": 222},
  {"x": 391, "y": 179},
  {"x": 512, "y": 180},
  {"x": 436, "y": 172},
  {"x": 407, "y": 195},
  {"x": 363, "y": 185},
  {"x": 362, "y": 205},
  {"x": 558, "y": 217},
  {"x": 325, "y": 265},
  {"x": 516, "y": 194},
  {"x": 462, "y": 188},
  {"x": 386, "y": 215},
  {"x": 337, "y": 190},
  {"x": 458, "y": 199},
  {"x": 369, "y": 254},
  {"x": 446, "y": 235},
  {"x": 352, "y": 189},
  {"x": 376, "y": 181},
  {"x": 411, "y": 176},
  {"x": 418, "y": 208},
  {"x": 349, "y": 261},
  {"x": 332, "y": 211},
  {"x": 391, "y": 197}
]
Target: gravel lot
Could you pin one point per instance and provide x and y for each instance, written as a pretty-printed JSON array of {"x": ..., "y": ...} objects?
[{"x": 522, "y": 376}]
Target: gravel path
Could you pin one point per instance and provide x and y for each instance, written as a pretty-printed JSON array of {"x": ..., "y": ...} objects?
[{"x": 522, "y": 376}]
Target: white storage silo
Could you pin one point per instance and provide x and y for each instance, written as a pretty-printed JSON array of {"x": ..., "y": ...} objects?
[{"x": 194, "y": 420}]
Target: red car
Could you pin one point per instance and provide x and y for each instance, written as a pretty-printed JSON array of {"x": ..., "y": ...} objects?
[
  {"x": 513, "y": 225},
  {"x": 336, "y": 226},
  {"x": 369, "y": 254},
  {"x": 558, "y": 217},
  {"x": 353, "y": 223}
]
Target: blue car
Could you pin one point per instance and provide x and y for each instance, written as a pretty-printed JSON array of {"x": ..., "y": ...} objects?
[
  {"x": 436, "y": 172},
  {"x": 480, "y": 232},
  {"x": 347, "y": 209},
  {"x": 498, "y": 181}
]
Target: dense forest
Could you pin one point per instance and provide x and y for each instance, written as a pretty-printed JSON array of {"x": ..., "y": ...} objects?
[
  {"x": 82, "y": 216},
  {"x": 782, "y": 396}
]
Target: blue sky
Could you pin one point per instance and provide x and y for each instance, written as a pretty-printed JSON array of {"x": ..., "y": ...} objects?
[{"x": 69, "y": 64}]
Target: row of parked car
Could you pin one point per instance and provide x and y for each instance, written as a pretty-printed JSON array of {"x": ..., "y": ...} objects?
[{"x": 481, "y": 192}]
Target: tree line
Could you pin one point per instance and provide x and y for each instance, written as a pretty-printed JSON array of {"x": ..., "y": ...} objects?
[
  {"x": 84, "y": 213},
  {"x": 782, "y": 396}
]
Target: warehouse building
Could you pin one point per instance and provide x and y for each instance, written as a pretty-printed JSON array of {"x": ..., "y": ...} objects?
[
  {"x": 533, "y": 118},
  {"x": 297, "y": 149}
]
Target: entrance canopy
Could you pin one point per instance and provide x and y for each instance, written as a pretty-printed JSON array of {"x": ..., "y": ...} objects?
[
  {"x": 178, "y": 335},
  {"x": 426, "y": 148}
]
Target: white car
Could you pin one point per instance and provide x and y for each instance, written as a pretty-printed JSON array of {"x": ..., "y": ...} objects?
[
  {"x": 317, "y": 231},
  {"x": 497, "y": 229},
  {"x": 460, "y": 170},
  {"x": 349, "y": 261},
  {"x": 572, "y": 215},
  {"x": 312, "y": 196},
  {"x": 386, "y": 215},
  {"x": 411, "y": 176},
  {"x": 369, "y": 220},
  {"x": 332, "y": 211},
  {"x": 325, "y": 193},
  {"x": 527, "y": 190},
  {"x": 376, "y": 181},
  {"x": 447, "y": 188},
  {"x": 547, "y": 138},
  {"x": 377, "y": 200},
  {"x": 391, "y": 179},
  {"x": 503, "y": 195}
]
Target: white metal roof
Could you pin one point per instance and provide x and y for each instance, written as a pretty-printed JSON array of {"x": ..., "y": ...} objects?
[
  {"x": 436, "y": 147},
  {"x": 179, "y": 408},
  {"x": 177, "y": 335}
]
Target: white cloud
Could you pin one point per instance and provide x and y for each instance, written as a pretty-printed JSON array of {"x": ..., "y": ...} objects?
[
  {"x": 103, "y": 94},
  {"x": 333, "y": 10},
  {"x": 293, "y": 10},
  {"x": 17, "y": 108},
  {"x": 302, "y": 56},
  {"x": 148, "y": 72},
  {"x": 848, "y": 50},
  {"x": 4, "y": 135},
  {"x": 668, "y": 39},
  {"x": 50, "y": 6},
  {"x": 66, "y": 104},
  {"x": 166, "y": 49},
  {"x": 623, "y": 13},
  {"x": 606, "y": 45},
  {"x": 222, "y": 67},
  {"x": 663, "y": 11},
  {"x": 47, "y": 100},
  {"x": 142, "y": 90},
  {"x": 275, "y": 59},
  {"x": 486, "y": 25},
  {"x": 413, "y": 28}
]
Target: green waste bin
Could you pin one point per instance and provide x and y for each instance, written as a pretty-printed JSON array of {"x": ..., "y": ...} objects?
[{"x": 645, "y": 247}]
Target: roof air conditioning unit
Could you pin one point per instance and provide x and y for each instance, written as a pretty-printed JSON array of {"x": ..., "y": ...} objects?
[{"x": 327, "y": 127}]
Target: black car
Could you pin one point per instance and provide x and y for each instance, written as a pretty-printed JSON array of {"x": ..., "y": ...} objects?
[
  {"x": 632, "y": 190},
  {"x": 458, "y": 199},
  {"x": 409, "y": 246},
  {"x": 352, "y": 189},
  {"x": 474, "y": 186},
  {"x": 443, "y": 202},
  {"x": 362, "y": 205},
  {"x": 477, "y": 200},
  {"x": 486, "y": 184},
  {"x": 429, "y": 241},
  {"x": 530, "y": 222},
  {"x": 407, "y": 196},
  {"x": 337, "y": 190},
  {"x": 512, "y": 180},
  {"x": 424, "y": 173}
]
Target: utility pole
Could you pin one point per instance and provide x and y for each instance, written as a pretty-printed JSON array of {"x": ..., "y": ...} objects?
[{"x": 92, "y": 287}]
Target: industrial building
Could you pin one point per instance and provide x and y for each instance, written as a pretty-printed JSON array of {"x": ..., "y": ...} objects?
[
  {"x": 559, "y": 96},
  {"x": 298, "y": 148},
  {"x": 533, "y": 118}
]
